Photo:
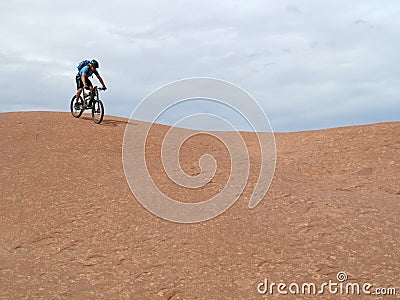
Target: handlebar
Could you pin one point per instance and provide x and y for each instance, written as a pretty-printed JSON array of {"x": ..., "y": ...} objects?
[{"x": 95, "y": 88}]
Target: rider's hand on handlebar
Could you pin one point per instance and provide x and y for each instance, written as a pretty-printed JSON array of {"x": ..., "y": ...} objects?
[{"x": 104, "y": 87}]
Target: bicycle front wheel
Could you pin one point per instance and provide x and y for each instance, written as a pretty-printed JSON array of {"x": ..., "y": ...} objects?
[
  {"x": 76, "y": 106},
  {"x": 97, "y": 111}
]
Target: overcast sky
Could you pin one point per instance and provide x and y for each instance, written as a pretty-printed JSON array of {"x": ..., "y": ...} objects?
[{"x": 310, "y": 64}]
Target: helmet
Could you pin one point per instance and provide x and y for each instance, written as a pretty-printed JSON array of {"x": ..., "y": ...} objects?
[{"x": 94, "y": 63}]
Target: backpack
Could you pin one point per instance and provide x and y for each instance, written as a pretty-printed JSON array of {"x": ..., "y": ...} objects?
[{"x": 82, "y": 64}]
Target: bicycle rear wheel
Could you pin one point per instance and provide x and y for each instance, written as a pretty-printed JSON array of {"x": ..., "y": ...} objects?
[
  {"x": 97, "y": 111},
  {"x": 76, "y": 106}
]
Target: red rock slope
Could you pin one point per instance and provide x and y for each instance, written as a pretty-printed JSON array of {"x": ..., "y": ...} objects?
[{"x": 70, "y": 227}]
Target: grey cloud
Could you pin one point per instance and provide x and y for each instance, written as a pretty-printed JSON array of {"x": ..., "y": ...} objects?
[
  {"x": 310, "y": 65},
  {"x": 293, "y": 9},
  {"x": 360, "y": 21}
]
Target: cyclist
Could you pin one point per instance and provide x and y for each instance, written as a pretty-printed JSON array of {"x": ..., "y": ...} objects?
[{"x": 82, "y": 78}]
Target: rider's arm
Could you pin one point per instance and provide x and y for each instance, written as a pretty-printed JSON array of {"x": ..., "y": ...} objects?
[
  {"x": 83, "y": 76},
  {"x": 101, "y": 80}
]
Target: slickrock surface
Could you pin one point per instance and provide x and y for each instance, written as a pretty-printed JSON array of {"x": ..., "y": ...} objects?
[{"x": 70, "y": 228}]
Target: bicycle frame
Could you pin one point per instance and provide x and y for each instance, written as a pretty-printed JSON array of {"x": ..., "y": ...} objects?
[{"x": 88, "y": 96}]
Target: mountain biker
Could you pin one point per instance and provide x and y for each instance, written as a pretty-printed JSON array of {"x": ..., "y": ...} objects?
[{"x": 82, "y": 78}]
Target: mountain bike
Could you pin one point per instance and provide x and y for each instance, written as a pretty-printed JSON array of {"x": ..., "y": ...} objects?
[{"x": 92, "y": 102}]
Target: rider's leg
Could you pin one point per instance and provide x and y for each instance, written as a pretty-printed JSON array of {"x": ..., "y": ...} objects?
[
  {"x": 78, "y": 93},
  {"x": 91, "y": 91},
  {"x": 79, "y": 86}
]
